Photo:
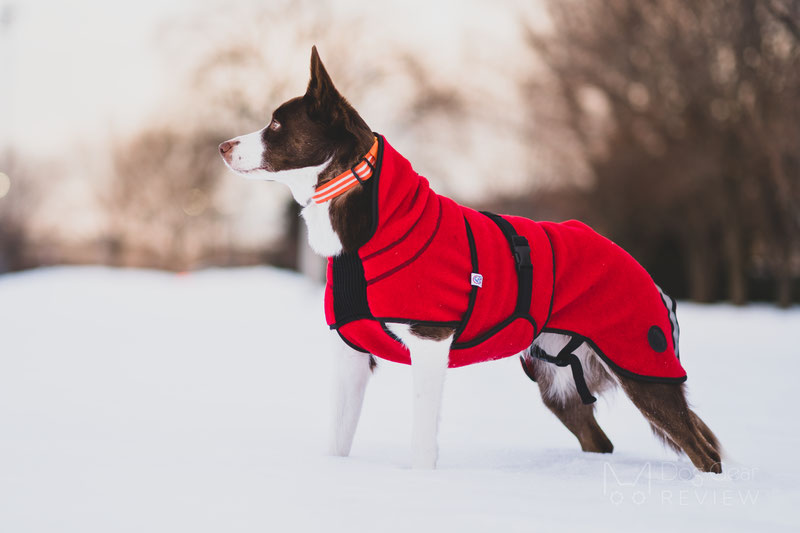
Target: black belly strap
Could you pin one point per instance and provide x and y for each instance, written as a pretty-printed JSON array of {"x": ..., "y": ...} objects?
[{"x": 565, "y": 357}]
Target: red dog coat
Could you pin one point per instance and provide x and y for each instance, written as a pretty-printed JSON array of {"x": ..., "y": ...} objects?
[{"x": 434, "y": 262}]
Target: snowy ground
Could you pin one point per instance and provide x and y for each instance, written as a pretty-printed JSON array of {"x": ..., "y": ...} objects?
[{"x": 144, "y": 401}]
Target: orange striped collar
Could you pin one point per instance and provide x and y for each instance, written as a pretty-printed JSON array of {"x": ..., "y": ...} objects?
[{"x": 358, "y": 173}]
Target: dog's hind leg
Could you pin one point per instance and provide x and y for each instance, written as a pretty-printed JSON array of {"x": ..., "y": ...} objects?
[
  {"x": 559, "y": 394},
  {"x": 707, "y": 434},
  {"x": 665, "y": 407},
  {"x": 430, "y": 354},
  {"x": 579, "y": 419},
  {"x": 351, "y": 374}
]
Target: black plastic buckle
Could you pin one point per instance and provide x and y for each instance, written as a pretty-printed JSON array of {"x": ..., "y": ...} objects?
[
  {"x": 522, "y": 251},
  {"x": 369, "y": 164},
  {"x": 355, "y": 174},
  {"x": 353, "y": 169}
]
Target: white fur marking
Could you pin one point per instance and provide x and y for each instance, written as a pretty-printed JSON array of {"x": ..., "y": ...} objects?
[
  {"x": 247, "y": 153},
  {"x": 351, "y": 374},
  {"x": 301, "y": 181},
  {"x": 429, "y": 360},
  {"x": 321, "y": 237},
  {"x": 247, "y": 157},
  {"x": 563, "y": 383}
]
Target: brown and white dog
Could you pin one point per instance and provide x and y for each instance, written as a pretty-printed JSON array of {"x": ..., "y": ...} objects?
[{"x": 317, "y": 137}]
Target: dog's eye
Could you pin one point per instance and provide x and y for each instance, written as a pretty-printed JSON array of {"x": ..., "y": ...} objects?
[{"x": 274, "y": 125}]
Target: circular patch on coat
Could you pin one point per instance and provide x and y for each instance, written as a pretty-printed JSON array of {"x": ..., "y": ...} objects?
[{"x": 656, "y": 338}]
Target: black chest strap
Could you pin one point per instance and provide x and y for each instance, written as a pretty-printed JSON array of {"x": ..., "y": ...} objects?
[
  {"x": 521, "y": 251},
  {"x": 522, "y": 257}
]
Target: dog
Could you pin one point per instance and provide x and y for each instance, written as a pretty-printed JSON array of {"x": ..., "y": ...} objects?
[{"x": 415, "y": 278}]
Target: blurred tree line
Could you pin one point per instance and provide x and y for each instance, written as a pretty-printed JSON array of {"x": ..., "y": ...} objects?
[
  {"x": 14, "y": 216},
  {"x": 163, "y": 201},
  {"x": 674, "y": 125},
  {"x": 687, "y": 115}
]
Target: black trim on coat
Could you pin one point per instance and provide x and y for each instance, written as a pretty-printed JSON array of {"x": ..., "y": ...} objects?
[
  {"x": 473, "y": 292},
  {"x": 395, "y": 320},
  {"x": 497, "y": 329},
  {"x": 618, "y": 369},
  {"x": 376, "y": 175},
  {"x": 351, "y": 344},
  {"x": 391, "y": 335}
]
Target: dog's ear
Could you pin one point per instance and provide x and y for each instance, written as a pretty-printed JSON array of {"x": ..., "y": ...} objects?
[{"x": 322, "y": 99}]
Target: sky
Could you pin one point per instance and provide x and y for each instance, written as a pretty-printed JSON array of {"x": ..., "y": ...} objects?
[
  {"x": 76, "y": 76},
  {"x": 74, "y": 69},
  {"x": 90, "y": 67}
]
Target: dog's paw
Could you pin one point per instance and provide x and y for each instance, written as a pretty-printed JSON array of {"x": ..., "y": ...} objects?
[
  {"x": 333, "y": 452},
  {"x": 424, "y": 457},
  {"x": 337, "y": 448},
  {"x": 423, "y": 465}
]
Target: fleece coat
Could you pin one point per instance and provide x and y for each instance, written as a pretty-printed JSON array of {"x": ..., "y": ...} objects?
[{"x": 434, "y": 262}]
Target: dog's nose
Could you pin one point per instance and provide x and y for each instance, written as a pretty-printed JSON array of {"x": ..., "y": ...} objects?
[{"x": 226, "y": 147}]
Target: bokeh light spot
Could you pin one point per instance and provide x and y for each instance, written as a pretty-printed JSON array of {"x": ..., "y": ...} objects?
[
  {"x": 196, "y": 203},
  {"x": 5, "y": 184}
]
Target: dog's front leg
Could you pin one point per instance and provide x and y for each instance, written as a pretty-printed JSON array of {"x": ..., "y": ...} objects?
[
  {"x": 429, "y": 360},
  {"x": 351, "y": 374}
]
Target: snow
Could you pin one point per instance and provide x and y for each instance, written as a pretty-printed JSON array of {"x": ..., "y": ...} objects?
[{"x": 146, "y": 401}]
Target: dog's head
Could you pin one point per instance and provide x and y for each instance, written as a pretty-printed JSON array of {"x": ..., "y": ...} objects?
[{"x": 308, "y": 140}]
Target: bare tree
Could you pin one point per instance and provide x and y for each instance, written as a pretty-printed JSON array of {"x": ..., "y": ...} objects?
[
  {"x": 700, "y": 150},
  {"x": 160, "y": 200}
]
